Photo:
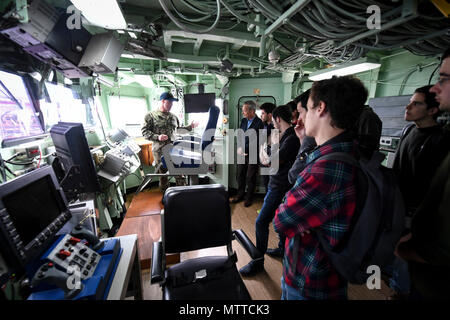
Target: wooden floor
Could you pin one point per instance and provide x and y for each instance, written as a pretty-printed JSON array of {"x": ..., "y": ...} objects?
[{"x": 266, "y": 285}]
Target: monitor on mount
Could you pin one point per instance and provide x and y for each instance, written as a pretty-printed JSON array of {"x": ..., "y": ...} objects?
[
  {"x": 78, "y": 175},
  {"x": 32, "y": 210},
  {"x": 199, "y": 102}
]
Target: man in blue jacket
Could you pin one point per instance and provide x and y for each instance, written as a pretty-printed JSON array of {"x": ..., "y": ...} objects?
[{"x": 247, "y": 171}]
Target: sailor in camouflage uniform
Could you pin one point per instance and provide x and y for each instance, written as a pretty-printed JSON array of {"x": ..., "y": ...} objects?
[{"x": 160, "y": 127}]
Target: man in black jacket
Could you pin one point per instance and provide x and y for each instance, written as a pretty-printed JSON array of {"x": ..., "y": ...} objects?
[
  {"x": 285, "y": 150},
  {"x": 248, "y": 170},
  {"x": 422, "y": 148}
]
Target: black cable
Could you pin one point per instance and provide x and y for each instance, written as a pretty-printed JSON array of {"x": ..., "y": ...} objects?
[
  {"x": 16, "y": 155},
  {"x": 281, "y": 44},
  {"x": 19, "y": 163},
  {"x": 432, "y": 74}
]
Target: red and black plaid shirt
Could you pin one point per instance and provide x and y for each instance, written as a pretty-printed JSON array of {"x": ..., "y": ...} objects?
[{"x": 323, "y": 197}]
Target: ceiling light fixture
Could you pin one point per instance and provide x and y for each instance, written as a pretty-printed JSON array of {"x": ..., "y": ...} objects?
[
  {"x": 357, "y": 66},
  {"x": 103, "y": 13}
]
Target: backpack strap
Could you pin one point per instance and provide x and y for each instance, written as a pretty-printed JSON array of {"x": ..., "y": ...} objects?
[
  {"x": 340, "y": 156},
  {"x": 361, "y": 196}
]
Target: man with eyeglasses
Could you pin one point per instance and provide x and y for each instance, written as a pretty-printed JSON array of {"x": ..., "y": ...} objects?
[
  {"x": 421, "y": 150},
  {"x": 427, "y": 247}
]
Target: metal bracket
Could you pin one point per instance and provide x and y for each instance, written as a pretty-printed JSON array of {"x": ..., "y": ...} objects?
[{"x": 22, "y": 10}]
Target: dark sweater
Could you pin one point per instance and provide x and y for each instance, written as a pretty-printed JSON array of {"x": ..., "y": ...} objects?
[
  {"x": 309, "y": 143},
  {"x": 288, "y": 148},
  {"x": 419, "y": 154}
]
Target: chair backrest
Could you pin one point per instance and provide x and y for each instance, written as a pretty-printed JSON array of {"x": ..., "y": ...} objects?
[
  {"x": 208, "y": 136},
  {"x": 196, "y": 217}
]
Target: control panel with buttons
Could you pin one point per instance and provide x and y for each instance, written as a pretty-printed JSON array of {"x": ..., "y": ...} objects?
[{"x": 72, "y": 254}]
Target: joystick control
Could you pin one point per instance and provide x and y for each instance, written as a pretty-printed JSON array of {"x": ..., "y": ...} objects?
[
  {"x": 83, "y": 233},
  {"x": 47, "y": 273}
]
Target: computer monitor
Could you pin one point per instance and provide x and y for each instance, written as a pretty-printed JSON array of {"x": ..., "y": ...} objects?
[
  {"x": 199, "y": 102},
  {"x": 74, "y": 155},
  {"x": 32, "y": 210}
]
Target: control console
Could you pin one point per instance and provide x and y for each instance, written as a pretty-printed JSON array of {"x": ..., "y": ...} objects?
[
  {"x": 48, "y": 273},
  {"x": 72, "y": 254},
  {"x": 77, "y": 266}
]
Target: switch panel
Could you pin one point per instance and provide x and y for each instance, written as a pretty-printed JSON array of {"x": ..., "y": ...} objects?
[{"x": 71, "y": 252}]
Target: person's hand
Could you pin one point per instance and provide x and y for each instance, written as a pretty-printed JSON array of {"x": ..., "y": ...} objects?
[
  {"x": 263, "y": 157},
  {"x": 163, "y": 137},
  {"x": 299, "y": 129},
  {"x": 240, "y": 151},
  {"x": 274, "y": 137},
  {"x": 405, "y": 238},
  {"x": 401, "y": 246},
  {"x": 194, "y": 124}
]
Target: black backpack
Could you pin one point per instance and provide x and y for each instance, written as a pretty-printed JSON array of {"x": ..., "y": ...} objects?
[{"x": 377, "y": 224}]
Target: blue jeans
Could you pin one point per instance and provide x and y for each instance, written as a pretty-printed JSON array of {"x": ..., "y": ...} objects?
[
  {"x": 400, "y": 280},
  {"x": 271, "y": 202},
  {"x": 289, "y": 293}
]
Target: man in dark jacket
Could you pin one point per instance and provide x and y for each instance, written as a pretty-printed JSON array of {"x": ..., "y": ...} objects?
[
  {"x": 248, "y": 170},
  {"x": 422, "y": 148},
  {"x": 278, "y": 183},
  {"x": 427, "y": 247}
]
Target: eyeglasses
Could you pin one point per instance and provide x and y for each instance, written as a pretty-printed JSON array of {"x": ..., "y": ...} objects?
[{"x": 442, "y": 80}]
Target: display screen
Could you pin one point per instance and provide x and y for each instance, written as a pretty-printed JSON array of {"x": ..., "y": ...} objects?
[
  {"x": 200, "y": 102},
  {"x": 33, "y": 207},
  {"x": 16, "y": 121}
]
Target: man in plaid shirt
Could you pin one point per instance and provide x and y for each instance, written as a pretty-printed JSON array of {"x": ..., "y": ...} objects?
[{"x": 324, "y": 195}]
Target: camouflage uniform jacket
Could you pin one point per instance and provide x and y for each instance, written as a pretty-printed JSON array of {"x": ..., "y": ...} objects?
[{"x": 157, "y": 123}]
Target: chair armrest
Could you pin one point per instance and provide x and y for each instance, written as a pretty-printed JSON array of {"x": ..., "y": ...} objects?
[
  {"x": 157, "y": 272},
  {"x": 187, "y": 144},
  {"x": 247, "y": 244},
  {"x": 191, "y": 137}
]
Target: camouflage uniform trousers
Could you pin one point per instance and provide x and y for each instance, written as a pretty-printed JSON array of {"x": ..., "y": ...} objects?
[{"x": 164, "y": 181}]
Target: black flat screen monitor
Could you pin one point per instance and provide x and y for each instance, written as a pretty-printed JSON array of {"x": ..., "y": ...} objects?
[
  {"x": 32, "y": 210},
  {"x": 200, "y": 102},
  {"x": 73, "y": 150}
]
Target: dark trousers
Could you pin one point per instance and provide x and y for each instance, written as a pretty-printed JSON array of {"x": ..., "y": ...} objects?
[
  {"x": 246, "y": 177},
  {"x": 272, "y": 200},
  {"x": 265, "y": 179}
]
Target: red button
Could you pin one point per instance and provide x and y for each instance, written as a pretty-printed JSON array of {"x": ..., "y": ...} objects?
[
  {"x": 63, "y": 254},
  {"x": 50, "y": 264},
  {"x": 74, "y": 240}
]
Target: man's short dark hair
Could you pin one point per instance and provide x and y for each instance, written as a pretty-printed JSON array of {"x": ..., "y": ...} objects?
[
  {"x": 267, "y": 107},
  {"x": 430, "y": 99},
  {"x": 284, "y": 112},
  {"x": 344, "y": 98},
  {"x": 292, "y": 105},
  {"x": 446, "y": 54},
  {"x": 303, "y": 99}
]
